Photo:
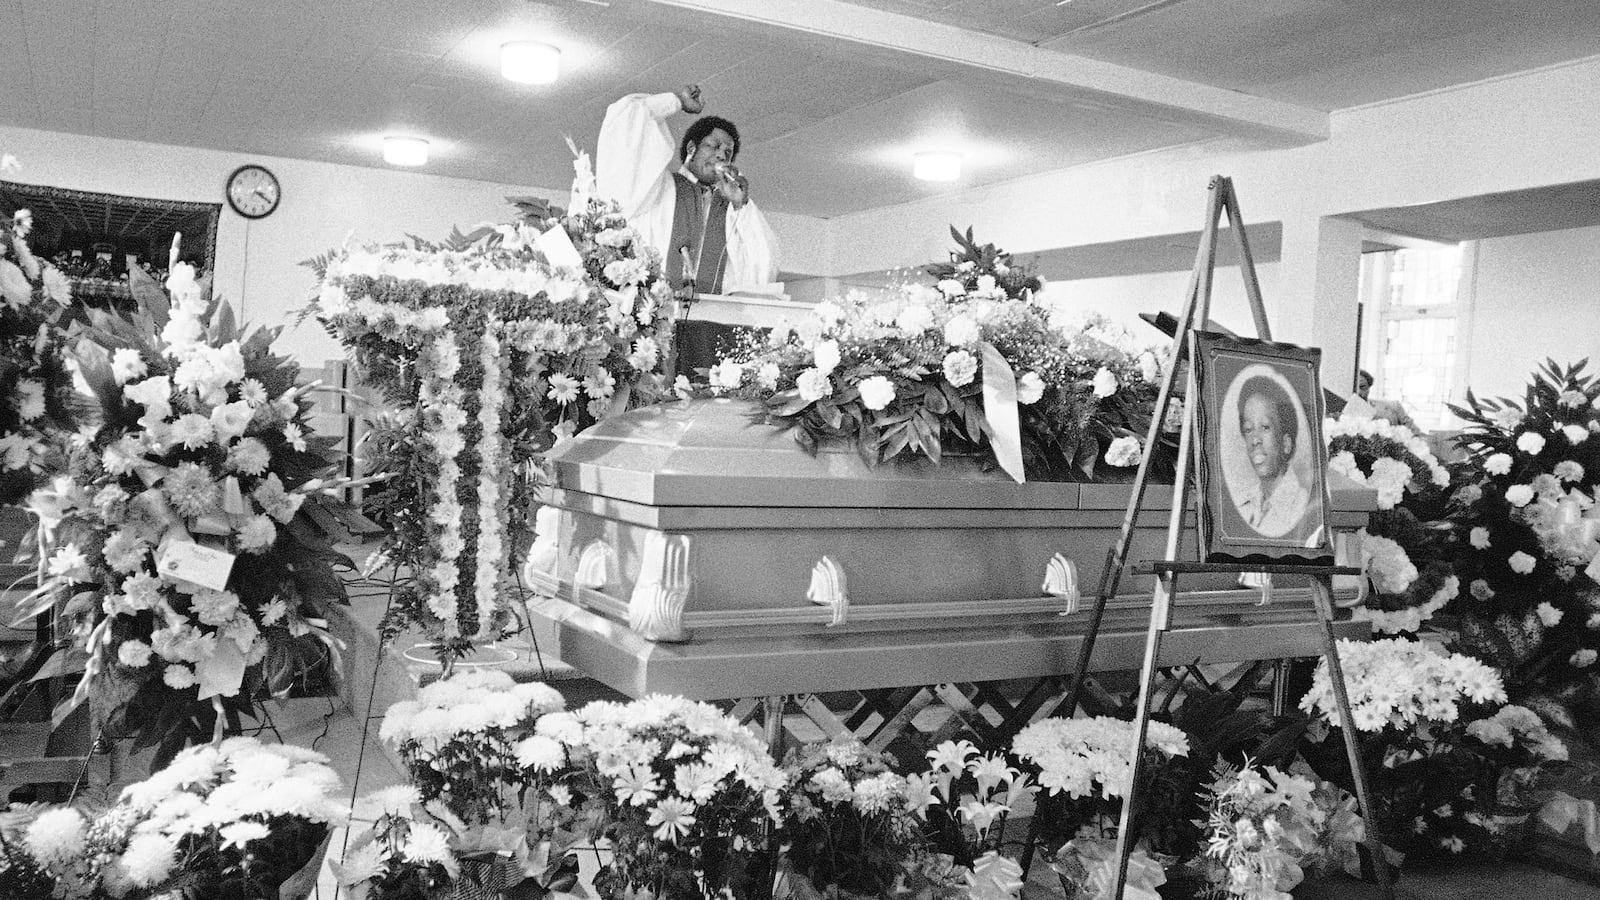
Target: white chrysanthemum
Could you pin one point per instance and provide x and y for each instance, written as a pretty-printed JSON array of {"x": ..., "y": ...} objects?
[
  {"x": 1030, "y": 388},
  {"x": 239, "y": 834},
  {"x": 427, "y": 843},
  {"x": 1105, "y": 383},
  {"x": 1124, "y": 452},
  {"x": 877, "y": 392},
  {"x": 126, "y": 365},
  {"x": 149, "y": 858},
  {"x": 813, "y": 384},
  {"x": 1530, "y": 443},
  {"x": 257, "y": 534},
  {"x": 1497, "y": 464},
  {"x": 960, "y": 367},
  {"x": 56, "y": 837}
]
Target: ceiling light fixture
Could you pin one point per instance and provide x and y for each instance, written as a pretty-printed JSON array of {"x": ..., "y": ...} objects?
[
  {"x": 405, "y": 151},
  {"x": 527, "y": 62},
  {"x": 936, "y": 166}
]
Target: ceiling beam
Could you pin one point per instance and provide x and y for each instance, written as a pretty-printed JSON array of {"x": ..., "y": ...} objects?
[{"x": 1076, "y": 75}]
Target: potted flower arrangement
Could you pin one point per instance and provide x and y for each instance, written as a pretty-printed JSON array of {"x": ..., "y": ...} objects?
[
  {"x": 178, "y": 541},
  {"x": 1405, "y": 545},
  {"x": 1266, "y": 829},
  {"x": 1440, "y": 748},
  {"x": 850, "y": 822},
  {"x": 966, "y": 798},
  {"x": 236, "y": 819},
  {"x": 1085, "y": 770},
  {"x": 1528, "y": 532},
  {"x": 687, "y": 798},
  {"x": 480, "y": 789},
  {"x": 906, "y": 375}
]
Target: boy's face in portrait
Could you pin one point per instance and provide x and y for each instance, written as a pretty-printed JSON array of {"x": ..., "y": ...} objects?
[{"x": 1266, "y": 443}]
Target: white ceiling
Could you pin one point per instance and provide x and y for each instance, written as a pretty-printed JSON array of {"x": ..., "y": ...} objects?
[{"x": 832, "y": 97}]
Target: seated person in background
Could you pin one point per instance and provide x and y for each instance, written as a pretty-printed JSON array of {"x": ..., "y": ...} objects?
[
  {"x": 1276, "y": 504},
  {"x": 1388, "y": 410},
  {"x": 686, "y": 199}
]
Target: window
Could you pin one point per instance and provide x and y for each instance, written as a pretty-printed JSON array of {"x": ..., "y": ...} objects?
[{"x": 1410, "y": 337}]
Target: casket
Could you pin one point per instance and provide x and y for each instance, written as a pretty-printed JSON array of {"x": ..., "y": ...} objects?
[{"x": 691, "y": 548}]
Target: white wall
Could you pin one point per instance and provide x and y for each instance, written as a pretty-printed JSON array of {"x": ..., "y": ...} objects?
[
  {"x": 1122, "y": 299},
  {"x": 1535, "y": 297},
  {"x": 258, "y": 262}
]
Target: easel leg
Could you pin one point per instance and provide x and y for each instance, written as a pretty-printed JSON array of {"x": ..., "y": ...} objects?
[
  {"x": 1166, "y": 586},
  {"x": 772, "y": 724},
  {"x": 1322, "y": 593}
]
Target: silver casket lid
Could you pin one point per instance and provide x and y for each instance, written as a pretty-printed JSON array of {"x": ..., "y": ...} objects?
[{"x": 721, "y": 453}]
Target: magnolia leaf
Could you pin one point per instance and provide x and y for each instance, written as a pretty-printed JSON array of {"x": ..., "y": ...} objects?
[
  {"x": 222, "y": 672},
  {"x": 149, "y": 294},
  {"x": 222, "y": 328},
  {"x": 787, "y": 403}
]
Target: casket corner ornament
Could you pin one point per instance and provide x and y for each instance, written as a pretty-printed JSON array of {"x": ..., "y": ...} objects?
[{"x": 655, "y": 609}]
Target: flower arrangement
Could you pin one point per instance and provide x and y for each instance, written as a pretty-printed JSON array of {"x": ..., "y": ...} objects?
[
  {"x": 177, "y": 541},
  {"x": 974, "y": 794},
  {"x": 1086, "y": 771},
  {"x": 489, "y": 352},
  {"x": 1404, "y": 547},
  {"x": 33, "y": 376},
  {"x": 1443, "y": 752},
  {"x": 906, "y": 375},
  {"x": 1396, "y": 683},
  {"x": 234, "y": 820},
  {"x": 851, "y": 821},
  {"x": 1528, "y": 533},
  {"x": 407, "y": 852},
  {"x": 1088, "y": 757},
  {"x": 1265, "y": 827},
  {"x": 687, "y": 795},
  {"x": 983, "y": 270},
  {"x": 460, "y": 739},
  {"x": 237, "y": 819},
  {"x": 479, "y": 807}
]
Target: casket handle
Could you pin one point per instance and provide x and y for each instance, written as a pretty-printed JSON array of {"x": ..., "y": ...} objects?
[
  {"x": 1061, "y": 580},
  {"x": 828, "y": 589}
]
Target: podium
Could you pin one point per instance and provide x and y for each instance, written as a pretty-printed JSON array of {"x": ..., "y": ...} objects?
[{"x": 710, "y": 321}]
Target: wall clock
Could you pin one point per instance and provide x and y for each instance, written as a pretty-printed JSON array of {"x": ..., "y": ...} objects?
[{"x": 253, "y": 191}]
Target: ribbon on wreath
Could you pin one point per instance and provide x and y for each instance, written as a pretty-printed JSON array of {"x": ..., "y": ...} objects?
[
  {"x": 1000, "y": 409},
  {"x": 1563, "y": 809}
]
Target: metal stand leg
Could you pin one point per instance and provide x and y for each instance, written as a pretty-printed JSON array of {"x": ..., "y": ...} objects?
[
  {"x": 1322, "y": 592},
  {"x": 1160, "y": 618},
  {"x": 772, "y": 724}
]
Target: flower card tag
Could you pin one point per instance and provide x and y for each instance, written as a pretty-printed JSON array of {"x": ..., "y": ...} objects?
[
  {"x": 558, "y": 249},
  {"x": 188, "y": 561}
]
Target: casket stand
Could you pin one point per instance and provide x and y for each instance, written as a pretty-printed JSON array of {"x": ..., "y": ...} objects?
[{"x": 690, "y": 549}]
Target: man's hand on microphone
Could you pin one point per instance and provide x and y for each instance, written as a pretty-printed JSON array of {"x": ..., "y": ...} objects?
[{"x": 732, "y": 185}]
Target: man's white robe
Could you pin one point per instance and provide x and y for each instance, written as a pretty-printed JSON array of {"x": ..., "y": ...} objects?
[{"x": 634, "y": 164}]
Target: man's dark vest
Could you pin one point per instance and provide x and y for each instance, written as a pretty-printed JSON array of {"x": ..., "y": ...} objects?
[{"x": 705, "y": 240}]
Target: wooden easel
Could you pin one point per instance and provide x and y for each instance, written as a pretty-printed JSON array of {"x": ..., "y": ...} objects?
[{"x": 1196, "y": 309}]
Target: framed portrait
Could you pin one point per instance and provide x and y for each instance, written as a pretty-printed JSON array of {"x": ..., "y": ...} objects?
[{"x": 1261, "y": 472}]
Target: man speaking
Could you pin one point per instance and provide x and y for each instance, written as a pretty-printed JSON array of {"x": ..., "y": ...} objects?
[{"x": 687, "y": 199}]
